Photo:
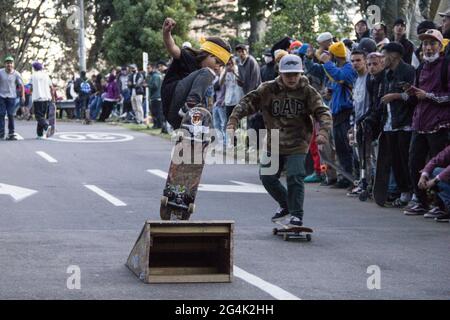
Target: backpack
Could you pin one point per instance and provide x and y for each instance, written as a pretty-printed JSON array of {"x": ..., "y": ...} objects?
[{"x": 85, "y": 87}]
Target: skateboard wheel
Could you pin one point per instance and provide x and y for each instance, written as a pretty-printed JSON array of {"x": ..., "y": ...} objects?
[
  {"x": 285, "y": 237},
  {"x": 191, "y": 208},
  {"x": 164, "y": 201},
  {"x": 308, "y": 237},
  {"x": 185, "y": 216},
  {"x": 164, "y": 214},
  {"x": 363, "y": 196},
  {"x": 275, "y": 231}
]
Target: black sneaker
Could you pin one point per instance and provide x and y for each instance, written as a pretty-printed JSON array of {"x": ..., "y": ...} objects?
[
  {"x": 443, "y": 218},
  {"x": 417, "y": 210},
  {"x": 342, "y": 184},
  {"x": 12, "y": 137},
  {"x": 434, "y": 213},
  {"x": 280, "y": 215},
  {"x": 295, "y": 222}
]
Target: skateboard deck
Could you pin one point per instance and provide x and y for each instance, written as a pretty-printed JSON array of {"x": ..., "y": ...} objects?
[
  {"x": 178, "y": 200},
  {"x": 382, "y": 172},
  {"x": 51, "y": 118},
  {"x": 303, "y": 233},
  {"x": 339, "y": 169}
]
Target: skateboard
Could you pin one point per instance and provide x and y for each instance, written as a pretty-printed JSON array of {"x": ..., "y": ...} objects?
[
  {"x": 287, "y": 232},
  {"x": 51, "y": 118},
  {"x": 336, "y": 167},
  {"x": 178, "y": 200},
  {"x": 382, "y": 172}
]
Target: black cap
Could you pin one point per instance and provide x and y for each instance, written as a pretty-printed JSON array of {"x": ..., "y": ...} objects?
[
  {"x": 241, "y": 47},
  {"x": 394, "y": 47},
  {"x": 268, "y": 52},
  {"x": 400, "y": 21},
  {"x": 161, "y": 62},
  {"x": 367, "y": 45},
  {"x": 425, "y": 25}
]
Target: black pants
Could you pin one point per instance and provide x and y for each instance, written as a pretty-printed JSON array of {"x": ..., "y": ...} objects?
[
  {"x": 422, "y": 146},
  {"x": 157, "y": 113},
  {"x": 40, "y": 111},
  {"x": 344, "y": 151},
  {"x": 399, "y": 142},
  {"x": 107, "y": 107}
]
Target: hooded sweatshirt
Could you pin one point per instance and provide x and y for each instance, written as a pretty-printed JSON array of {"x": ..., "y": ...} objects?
[
  {"x": 292, "y": 111},
  {"x": 112, "y": 89}
]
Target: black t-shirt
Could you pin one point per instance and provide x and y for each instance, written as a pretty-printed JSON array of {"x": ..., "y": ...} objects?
[{"x": 178, "y": 70}]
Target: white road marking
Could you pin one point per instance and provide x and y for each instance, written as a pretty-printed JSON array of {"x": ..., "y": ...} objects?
[
  {"x": 240, "y": 187},
  {"x": 46, "y": 157},
  {"x": 106, "y": 195},
  {"x": 15, "y": 192},
  {"x": 273, "y": 290}
]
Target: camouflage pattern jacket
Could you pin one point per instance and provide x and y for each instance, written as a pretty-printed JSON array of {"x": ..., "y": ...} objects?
[{"x": 291, "y": 111}]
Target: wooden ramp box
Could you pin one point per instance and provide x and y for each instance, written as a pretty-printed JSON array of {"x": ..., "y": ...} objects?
[{"x": 183, "y": 251}]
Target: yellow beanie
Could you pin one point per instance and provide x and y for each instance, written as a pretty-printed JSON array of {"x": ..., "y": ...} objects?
[{"x": 338, "y": 50}]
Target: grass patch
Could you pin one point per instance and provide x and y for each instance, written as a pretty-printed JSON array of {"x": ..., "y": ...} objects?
[{"x": 143, "y": 129}]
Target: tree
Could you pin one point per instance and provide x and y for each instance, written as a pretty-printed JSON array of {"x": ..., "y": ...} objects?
[
  {"x": 216, "y": 15},
  {"x": 304, "y": 19},
  {"x": 139, "y": 28}
]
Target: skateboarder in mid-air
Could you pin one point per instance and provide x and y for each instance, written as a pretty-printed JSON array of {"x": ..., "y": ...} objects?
[
  {"x": 288, "y": 104},
  {"x": 183, "y": 91}
]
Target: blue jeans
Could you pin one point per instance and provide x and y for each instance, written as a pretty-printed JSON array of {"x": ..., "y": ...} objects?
[
  {"x": 220, "y": 122},
  {"x": 292, "y": 198},
  {"x": 7, "y": 106},
  {"x": 444, "y": 188},
  {"x": 95, "y": 107}
]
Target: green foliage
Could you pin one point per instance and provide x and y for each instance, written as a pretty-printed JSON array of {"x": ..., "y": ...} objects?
[
  {"x": 139, "y": 28},
  {"x": 304, "y": 19}
]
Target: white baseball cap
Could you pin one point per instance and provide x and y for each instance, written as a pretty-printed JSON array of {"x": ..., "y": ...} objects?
[
  {"x": 291, "y": 63},
  {"x": 324, "y": 37}
]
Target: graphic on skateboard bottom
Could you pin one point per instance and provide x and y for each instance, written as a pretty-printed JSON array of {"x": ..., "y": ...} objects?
[
  {"x": 51, "y": 119},
  {"x": 184, "y": 177},
  {"x": 302, "y": 233}
]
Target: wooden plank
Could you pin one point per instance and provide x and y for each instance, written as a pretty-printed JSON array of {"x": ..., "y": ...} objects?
[
  {"x": 167, "y": 271},
  {"x": 189, "y": 222},
  {"x": 189, "y": 278},
  {"x": 189, "y": 229}
]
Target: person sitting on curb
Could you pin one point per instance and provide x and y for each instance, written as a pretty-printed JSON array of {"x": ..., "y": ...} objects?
[
  {"x": 436, "y": 174},
  {"x": 288, "y": 105}
]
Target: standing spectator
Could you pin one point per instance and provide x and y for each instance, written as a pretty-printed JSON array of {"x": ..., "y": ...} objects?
[
  {"x": 423, "y": 27},
  {"x": 325, "y": 40},
  {"x": 396, "y": 117},
  {"x": 154, "y": 82},
  {"x": 162, "y": 68},
  {"x": 361, "y": 106},
  {"x": 362, "y": 30},
  {"x": 342, "y": 77},
  {"x": 431, "y": 119},
  {"x": 233, "y": 92},
  {"x": 10, "y": 79},
  {"x": 126, "y": 93},
  {"x": 249, "y": 80},
  {"x": 219, "y": 112},
  {"x": 111, "y": 96},
  {"x": 42, "y": 96},
  {"x": 84, "y": 88},
  {"x": 268, "y": 70},
  {"x": 380, "y": 35},
  {"x": 400, "y": 36},
  {"x": 445, "y": 23},
  {"x": 135, "y": 84}
]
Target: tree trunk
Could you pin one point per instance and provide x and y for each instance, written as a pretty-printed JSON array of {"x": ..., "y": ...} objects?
[{"x": 257, "y": 30}]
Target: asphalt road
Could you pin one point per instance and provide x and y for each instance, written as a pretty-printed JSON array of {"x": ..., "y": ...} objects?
[{"x": 65, "y": 223}]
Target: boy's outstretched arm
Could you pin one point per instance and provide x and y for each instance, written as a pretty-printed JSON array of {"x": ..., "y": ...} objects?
[{"x": 170, "y": 44}]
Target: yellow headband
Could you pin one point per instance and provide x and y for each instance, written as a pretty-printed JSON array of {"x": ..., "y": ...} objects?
[{"x": 216, "y": 50}]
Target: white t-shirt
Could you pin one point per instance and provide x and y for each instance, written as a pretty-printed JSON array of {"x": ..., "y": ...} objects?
[{"x": 41, "y": 86}]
